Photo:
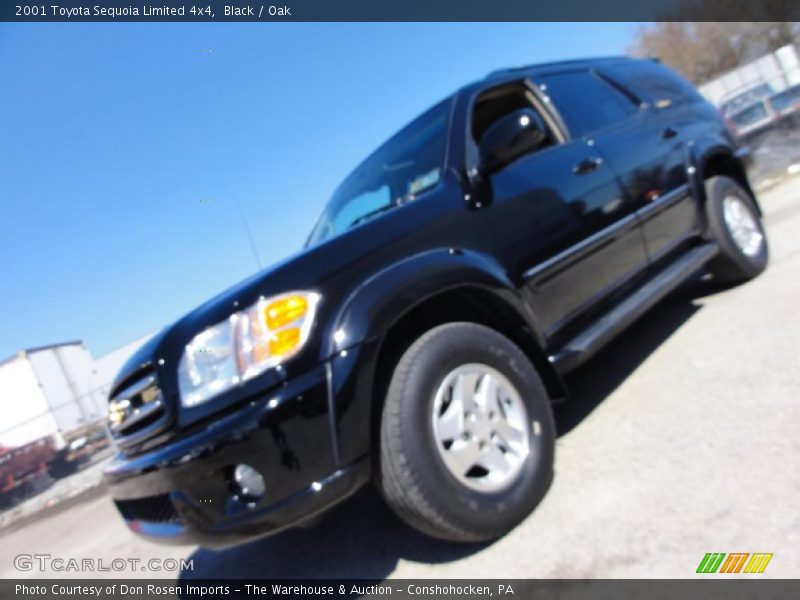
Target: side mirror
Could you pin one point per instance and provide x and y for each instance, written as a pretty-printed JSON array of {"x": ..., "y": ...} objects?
[{"x": 510, "y": 137}]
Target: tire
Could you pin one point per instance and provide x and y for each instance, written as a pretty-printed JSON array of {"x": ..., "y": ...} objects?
[
  {"x": 415, "y": 479},
  {"x": 733, "y": 264}
]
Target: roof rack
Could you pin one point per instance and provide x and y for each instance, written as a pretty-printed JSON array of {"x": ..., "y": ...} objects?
[{"x": 558, "y": 63}]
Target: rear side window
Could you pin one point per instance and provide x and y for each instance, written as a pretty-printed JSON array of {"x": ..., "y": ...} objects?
[
  {"x": 652, "y": 82},
  {"x": 585, "y": 102}
]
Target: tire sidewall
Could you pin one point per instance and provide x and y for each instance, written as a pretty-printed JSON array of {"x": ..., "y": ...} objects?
[
  {"x": 717, "y": 189},
  {"x": 509, "y": 505}
]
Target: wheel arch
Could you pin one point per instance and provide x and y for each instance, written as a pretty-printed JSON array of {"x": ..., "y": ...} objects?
[
  {"x": 387, "y": 312},
  {"x": 720, "y": 160},
  {"x": 464, "y": 303},
  {"x": 439, "y": 286}
]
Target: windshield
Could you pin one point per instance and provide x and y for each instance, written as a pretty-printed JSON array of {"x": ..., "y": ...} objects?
[{"x": 405, "y": 166}]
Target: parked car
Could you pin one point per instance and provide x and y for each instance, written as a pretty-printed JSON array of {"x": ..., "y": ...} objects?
[
  {"x": 38, "y": 460},
  {"x": 786, "y": 103},
  {"x": 750, "y": 113},
  {"x": 420, "y": 337},
  {"x": 753, "y": 120},
  {"x": 41, "y": 432},
  {"x": 24, "y": 464},
  {"x": 754, "y": 114},
  {"x": 741, "y": 100}
]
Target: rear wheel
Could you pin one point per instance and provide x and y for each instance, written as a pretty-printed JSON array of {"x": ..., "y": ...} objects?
[
  {"x": 467, "y": 435},
  {"x": 736, "y": 227}
]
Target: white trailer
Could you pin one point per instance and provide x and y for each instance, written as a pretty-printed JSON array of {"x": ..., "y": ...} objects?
[
  {"x": 48, "y": 391},
  {"x": 26, "y": 415},
  {"x": 776, "y": 72}
]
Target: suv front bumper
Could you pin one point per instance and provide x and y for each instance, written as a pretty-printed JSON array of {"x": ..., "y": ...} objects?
[{"x": 183, "y": 492}]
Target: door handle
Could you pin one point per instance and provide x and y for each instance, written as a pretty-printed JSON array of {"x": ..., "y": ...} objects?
[
  {"x": 668, "y": 133},
  {"x": 587, "y": 165}
]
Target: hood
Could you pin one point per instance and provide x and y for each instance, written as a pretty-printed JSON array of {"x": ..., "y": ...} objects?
[
  {"x": 333, "y": 268},
  {"x": 309, "y": 269}
]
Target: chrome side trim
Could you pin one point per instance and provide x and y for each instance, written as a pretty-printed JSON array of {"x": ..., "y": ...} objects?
[
  {"x": 574, "y": 252},
  {"x": 665, "y": 201},
  {"x": 597, "y": 238}
]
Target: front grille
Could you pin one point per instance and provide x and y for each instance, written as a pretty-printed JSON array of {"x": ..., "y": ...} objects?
[
  {"x": 153, "y": 509},
  {"x": 137, "y": 407}
]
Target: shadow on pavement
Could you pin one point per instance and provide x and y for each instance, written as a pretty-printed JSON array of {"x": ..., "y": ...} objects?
[
  {"x": 591, "y": 383},
  {"x": 26, "y": 491},
  {"x": 362, "y": 539}
]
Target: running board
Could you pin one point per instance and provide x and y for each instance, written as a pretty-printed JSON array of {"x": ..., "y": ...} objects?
[{"x": 590, "y": 340}]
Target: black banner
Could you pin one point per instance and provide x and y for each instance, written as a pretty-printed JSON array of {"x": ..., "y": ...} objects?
[
  {"x": 707, "y": 587},
  {"x": 401, "y": 10}
]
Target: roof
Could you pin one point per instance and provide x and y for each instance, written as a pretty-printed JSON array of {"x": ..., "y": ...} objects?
[
  {"x": 35, "y": 349},
  {"x": 579, "y": 62},
  {"x": 49, "y": 346}
]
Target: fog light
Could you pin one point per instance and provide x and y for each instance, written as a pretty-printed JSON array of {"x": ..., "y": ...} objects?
[{"x": 249, "y": 482}]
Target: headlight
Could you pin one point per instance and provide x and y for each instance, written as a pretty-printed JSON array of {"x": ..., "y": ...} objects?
[{"x": 245, "y": 345}]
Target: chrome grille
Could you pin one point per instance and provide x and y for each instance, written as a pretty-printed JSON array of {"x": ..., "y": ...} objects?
[{"x": 137, "y": 408}]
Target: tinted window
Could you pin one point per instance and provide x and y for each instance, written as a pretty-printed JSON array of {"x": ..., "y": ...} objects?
[
  {"x": 585, "y": 102},
  {"x": 652, "y": 82}
]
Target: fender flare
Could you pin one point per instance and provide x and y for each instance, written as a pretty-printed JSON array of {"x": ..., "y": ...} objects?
[
  {"x": 700, "y": 153},
  {"x": 379, "y": 302}
]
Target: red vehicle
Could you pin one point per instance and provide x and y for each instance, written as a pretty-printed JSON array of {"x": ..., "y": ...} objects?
[{"x": 23, "y": 464}]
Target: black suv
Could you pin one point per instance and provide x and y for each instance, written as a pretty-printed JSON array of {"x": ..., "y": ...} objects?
[{"x": 419, "y": 339}]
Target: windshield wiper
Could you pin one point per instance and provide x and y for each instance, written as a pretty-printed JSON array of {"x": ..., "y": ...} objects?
[{"x": 369, "y": 215}]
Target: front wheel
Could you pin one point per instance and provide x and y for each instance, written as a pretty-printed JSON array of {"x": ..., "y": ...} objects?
[
  {"x": 736, "y": 227},
  {"x": 467, "y": 435}
]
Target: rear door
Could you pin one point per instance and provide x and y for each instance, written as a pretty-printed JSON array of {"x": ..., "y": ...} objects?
[{"x": 650, "y": 156}]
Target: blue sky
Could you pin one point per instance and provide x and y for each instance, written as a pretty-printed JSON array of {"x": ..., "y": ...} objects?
[{"x": 125, "y": 150}]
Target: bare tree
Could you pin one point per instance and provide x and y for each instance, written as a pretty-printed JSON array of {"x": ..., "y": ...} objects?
[{"x": 701, "y": 50}]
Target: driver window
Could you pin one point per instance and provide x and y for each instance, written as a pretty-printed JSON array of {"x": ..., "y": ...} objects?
[{"x": 497, "y": 102}]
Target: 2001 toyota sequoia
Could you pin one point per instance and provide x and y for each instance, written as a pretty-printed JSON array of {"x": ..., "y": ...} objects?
[{"x": 418, "y": 341}]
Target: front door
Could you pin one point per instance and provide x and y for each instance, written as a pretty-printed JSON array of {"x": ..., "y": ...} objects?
[{"x": 562, "y": 223}]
